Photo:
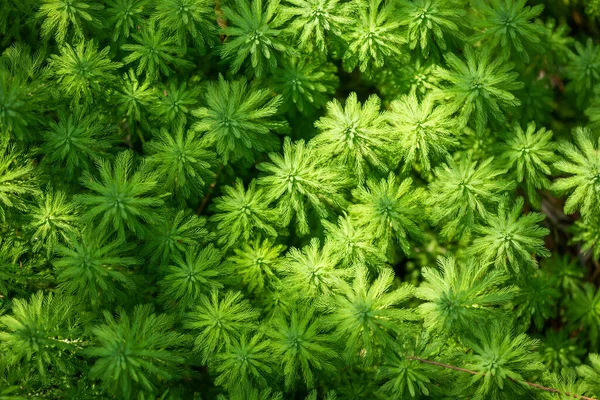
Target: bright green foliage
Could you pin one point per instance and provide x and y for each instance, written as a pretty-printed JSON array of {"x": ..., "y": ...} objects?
[
  {"x": 183, "y": 162},
  {"x": 305, "y": 84},
  {"x": 583, "y": 310},
  {"x": 63, "y": 18},
  {"x": 501, "y": 357},
  {"x": 585, "y": 232},
  {"x": 125, "y": 16},
  {"x": 592, "y": 8},
  {"x": 298, "y": 180},
  {"x": 280, "y": 178},
  {"x": 94, "y": 269},
  {"x": 17, "y": 180},
  {"x": 176, "y": 103},
  {"x": 480, "y": 87},
  {"x": 191, "y": 275},
  {"x": 302, "y": 345},
  {"x": 123, "y": 198},
  {"x": 276, "y": 301},
  {"x": 365, "y": 315},
  {"x": 537, "y": 299},
  {"x": 591, "y": 375},
  {"x": 239, "y": 120},
  {"x": 217, "y": 321},
  {"x": 356, "y": 135},
  {"x": 311, "y": 272},
  {"x": 390, "y": 211},
  {"x": 244, "y": 364},
  {"x": 14, "y": 276},
  {"x": 54, "y": 219},
  {"x": 258, "y": 263},
  {"x": 373, "y": 37},
  {"x": 134, "y": 351},
  {"x": 508, "y": 24},
  {"x": 593, "y": 111},
  {"x": 188, "y": 19},
  {"x": 155, "y": 53},
  {"x": 241, "y": 214},
  {"x": 405, "y": 377},
  {"x": 170, "y": 235},
  {"x": 510, "y": 239},
  {"x": 75, "y": 140},
  {"x": 21, "y": 92},
  {"x": 582, "y": 162},
  {"x": 430, "y": 22},
  {"x": 558, "y": 351},
  {"x": 82, "y": 71},
  {"x": 566, "y": 383},
  {"x": 254, "y": 36},
  {"x": 134, "y": 97},
  {"x": 418, "y": 77},
  {"x": 460, "y": 295},
  {"x": 40, "y": 334},
  {"x": 527, "y": 155},
  {"x": 463, "y": 192},
  {"x": 315, "y": 21},
  {"x": 352, "y": 244},
  {"x": 424, "y": 130},
  {"x": 584, "y": 71},
  {"x": 250, "y": 393}
]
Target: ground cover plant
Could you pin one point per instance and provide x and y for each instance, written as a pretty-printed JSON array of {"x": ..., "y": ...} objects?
[{"x": 299, "y": 199}]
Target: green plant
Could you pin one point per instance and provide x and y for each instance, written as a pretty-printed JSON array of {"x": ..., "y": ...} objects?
[
  {"x": 240, "y": 214},
  {"x": 356, "y": 135},
  {"x": 154, "y": 52},
  {"x": 301, "y": 342},
  {"x": 183, "y": 162},
  {"x": 387, "y": 213},
  {"x": 510, "y": 239},
  {"x": 460, "y": 294},
  {"x": 297, "y": 180},
  {"x": 299, "y": 199},
  {"x": 463, "y": 192},
  {"x": 365, "y": 316},
  {"x": 132, "y": 352},
  {"x": 255, "y": 36},
  {"x": 480, "y": 87},
  {"x": 582, "y": 163},
  {"x": 40, "y": 334},
  {"x": 82, "y": 71},
  {"x": 190, "y": 275},
  {"x": 62, "y": 17},
  {"x": 429, "y": 23},
  {"x": 216, "y": 321},
  {"x": 374, "y": 38},
  {"x": 75, "y": 140},
  {"x": 122, "y": 198},
  {"x": 508, "y": 24},
  {"x": 238, "y": 118},
  {"x": 92, "y": 269}
]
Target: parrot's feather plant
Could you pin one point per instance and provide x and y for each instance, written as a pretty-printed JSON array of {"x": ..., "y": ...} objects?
[{"x": 300, "y": 199}]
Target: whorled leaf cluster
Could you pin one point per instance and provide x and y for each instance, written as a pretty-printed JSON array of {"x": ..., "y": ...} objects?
[{"x": 303, "y": 199}]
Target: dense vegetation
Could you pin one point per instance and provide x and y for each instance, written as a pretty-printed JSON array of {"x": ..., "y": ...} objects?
[{"x": 299, "y": 199}]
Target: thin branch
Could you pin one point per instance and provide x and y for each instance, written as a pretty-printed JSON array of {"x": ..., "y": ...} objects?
[{"x": 530, "y": 384}]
